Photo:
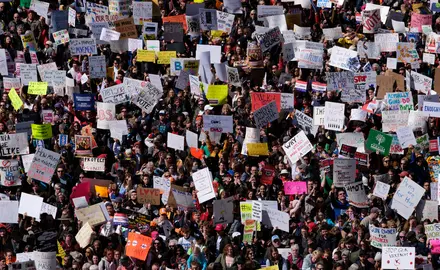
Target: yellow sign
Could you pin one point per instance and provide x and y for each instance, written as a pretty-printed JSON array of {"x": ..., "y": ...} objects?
[
  {"x": 146, "y": 56},
  {"x": 15, "y": 99},
  {"x": 102, "y": 191},
  {"x": 165, "y": 57},
  {"x": 217, "y": 33},
  {"x": 273, "y": 267},
  {"x": 41, "y": 132},
  {"x": 37, "y": 88},
  {"x": 217, "y": 94},
  {"x": 257, "y": 149}
]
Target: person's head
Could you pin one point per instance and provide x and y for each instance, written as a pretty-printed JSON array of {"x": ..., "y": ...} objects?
[
  {"x": 273, "y": 253},
  {"x": 341, "y": 196},
  {"x": 316, "y": 255},
  {"x": 276, "y": 242},
  {"x": 228, "y": 250},
  {"x": 109, "y": 254},
  {"x": 195, "y": 265},
  {"x": 95, "y": 259},
  {"x": 295, "y": 250}
]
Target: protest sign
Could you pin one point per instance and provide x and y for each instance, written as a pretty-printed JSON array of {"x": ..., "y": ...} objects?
[
  {"x": 37, "y": 88},
  {"x": 93, "y": 164},
  {"x": 173, "y": 31},
  {"x": 14, "y": 144},
  {"x": 418, "y": 20},
  {"x": 266, "y": 114},
  {"x": 43, "y": 165},
  {"x": 41, "y": 131},
  {"x": 305, "y": 122},
  {"x": 218, "y": 123},
  {"x": 404, "y": 50},
  {"x": 392, "y": 120},
  {"x": 165, "y": 57},
  {"x": 308, "y": 58},
  {"x": 93, "y": 214},
  {"x": 265, "y": 10},
  {"x": 340, "y": 80},
  {"x": 82, "y": 46},
  {"x": 368, "y": 49},
  {"x": 203, "y": 183},
  {"x": 257, "y": 211},
  {"x": 109, "y": 35},
  {"x": 421, "y": 82},
  {"x": 378, "y": 141},
  {"x": 382, "y": 237},
  {"x": 432, "y": 231},
  {"x": 208, "y": 19},
  {"x": 138, "y": 246},
  {"x": 83, "y": 145},
  {"x": 276, "y": 219},
  {"x": 371, "y": 20},
  {"x": 406, "y": 137},
  {"x": 28, "y": 40},
  {"x": 296, "y": 187},
  {"x": 84, "y": 234},
  {"x": 9, "y": 83},
  {"x": 252, "y": 135},
  {"x": 334, "y": 116},
  {"x": 115, "y": 94},
  {"x": 257, "y": 149},
  {"x": 147, "y": 97},
  {"x": 61, "y": 37},
  {"x": 344, "y": 171},
  {"x": 30, "y": 204},
  {"x": 142, "y": 12},
  {"x": 83, "y": 102},
  {"x": 398, "y": 257},
  {"x": 148, "y": 195},
  {"x": 406, "y": 198},
  {"x": 356, "y": 194},
  {"x": 297, "y": 147},
  {"x": 387, "y": 42},
  {"x": 10, "y": 172},
  {"x": 345, "y": 59},
  {"x": 214, "y": 52},
  {"x": 217, "y": 94},
  {"x": 427, "y": 209},
  {"x": 9, "y": 211},
  {"x": 105, "y": 112},
  {"x": 381, "y": 190},
  {"x": 16, "y": 101},
  {"x": 146, "y": 56},
  {"x": 347, "y": 151},
  {"x": 28, "y": 73},
  {"x": 269, "y": 39},
  {"x": 176, "y": 142},
  {"x": 318, "y": 116},
  {"x": 259, "y": 100}
]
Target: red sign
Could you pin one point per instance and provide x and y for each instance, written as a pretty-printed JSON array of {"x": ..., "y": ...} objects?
[
  {"x": 433, "y": 145},
  {"x": 267, "y": 175},
  {"x": 261, "y": 99}
]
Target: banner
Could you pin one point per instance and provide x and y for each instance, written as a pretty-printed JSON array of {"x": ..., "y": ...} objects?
[{"x": 43, "y": 165}]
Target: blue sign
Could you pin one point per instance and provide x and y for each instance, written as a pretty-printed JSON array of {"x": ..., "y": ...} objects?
[
  {"x": 84, "y": 102},
  {"x": 63, "y": 139}
]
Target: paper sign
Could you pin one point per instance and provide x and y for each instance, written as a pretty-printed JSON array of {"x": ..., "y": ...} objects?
[
  {"x": 381, "y": 190},
  {"x": 297, "y": 147},
  {"x": 334, "y": 116},
  {"x": 382, "y": 237},
  {"x": 30, "y": 204},
  {"x": 138, "y": 246},
  {"x": 297, "y": 187},
  {"x": 398, "y": 257},
  {"x": 218, "y": 123},
  {"x": 275, "y": 218},
  {"x": 43, "y": 165},
  {"x": 9, "y": 212},
  {"x": 223, "y": 211},
  {"x": 344, "y": 171},
  {"x": 176, "y": 142},
  {"x": 266, "y": 114},
  {"x": 83, "y": 46},
  {"x": 203, "y": 183},
  {"x": 407, "y": 197},
  {"x": 356, "y": 194},
  {"x": 105, "y": 112},
  {"x": 378, "y": 141},
  {"x": 94, "y": 164}
]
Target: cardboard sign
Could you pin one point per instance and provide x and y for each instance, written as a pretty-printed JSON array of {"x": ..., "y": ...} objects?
[
  {"x": 297, "y": 187},
  {"x": 93, "y": 214},
  {"x": 148, "y": 195}
]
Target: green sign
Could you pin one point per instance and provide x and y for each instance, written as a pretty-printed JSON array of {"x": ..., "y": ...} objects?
[
  {"x": 25, "y": 3},
  {"x": 379, "y": 142}
]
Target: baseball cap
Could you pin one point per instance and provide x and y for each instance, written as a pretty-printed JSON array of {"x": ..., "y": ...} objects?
[{"x": 275, "y": 237}]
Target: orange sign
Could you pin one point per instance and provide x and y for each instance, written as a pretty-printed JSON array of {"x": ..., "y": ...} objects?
[
  {"x": 178, "y": 19},
  {"x": 261, "y": 99},
  {"x": 138, "y": 246}
]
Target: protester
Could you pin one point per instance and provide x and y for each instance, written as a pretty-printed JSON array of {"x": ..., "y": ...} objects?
[{"x": 230, "y": 135}]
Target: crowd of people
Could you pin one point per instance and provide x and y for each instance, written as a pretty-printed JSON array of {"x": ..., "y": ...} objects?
[{"x": 327, "y": 228}]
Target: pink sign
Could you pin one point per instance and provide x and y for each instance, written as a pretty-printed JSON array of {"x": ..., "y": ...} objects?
[
  {"x": 435, "y": 246},
  {"x": 417, "y": 20},
  {"x": 299, "y": 187}
]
